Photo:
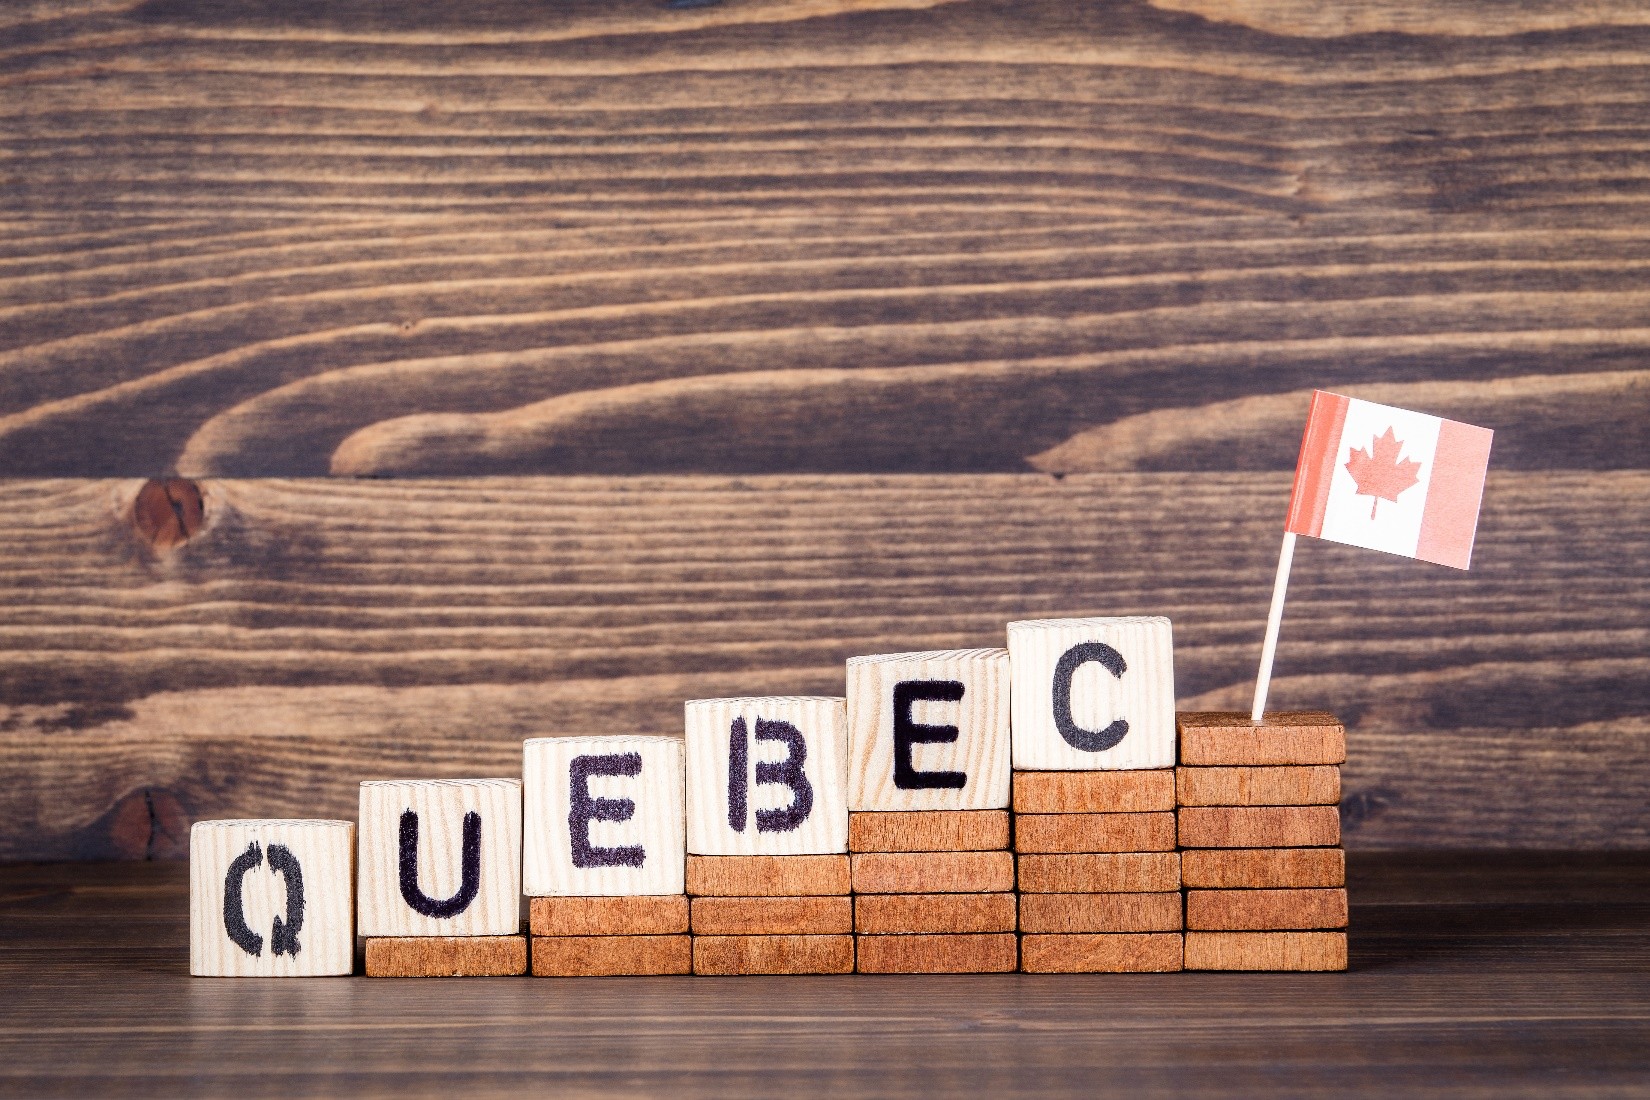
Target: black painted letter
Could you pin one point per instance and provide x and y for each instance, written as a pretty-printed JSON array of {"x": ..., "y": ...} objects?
[
  {"x": 283, "y": 938},
  {"x": 787, "y": 772},
  {"x": 908, "y": 733},
  {"x": 234, "y": 913},
  {"x": 469, "y": 868},
  {"x": 739, "y": 755},
  {"x": 586, "y": 808},
  {"x": 1072, "y": 659}
]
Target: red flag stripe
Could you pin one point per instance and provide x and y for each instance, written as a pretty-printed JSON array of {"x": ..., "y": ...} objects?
[
  {"x": 1454, "y": 492},
  {"x": 1320, "y": 445}
]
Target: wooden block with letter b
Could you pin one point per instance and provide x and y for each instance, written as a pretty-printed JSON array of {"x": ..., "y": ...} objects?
[
  {"x": 604, "y": 816},
  {"x": 440, "y": 857},
  {"x": 767, "y": 776},
  {"x": 1093, "y": 694},
  {"x": 929, "y": 731},
  {"x": 271, "y": 898}
]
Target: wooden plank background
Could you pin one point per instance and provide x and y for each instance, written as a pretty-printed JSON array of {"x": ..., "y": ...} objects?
[{"x": 788, "y": 330}]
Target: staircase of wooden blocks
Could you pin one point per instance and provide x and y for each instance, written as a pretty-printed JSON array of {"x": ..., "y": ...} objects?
[
  {"x": 1260, "y": 833},
  {"x": 1039, "y": 807}
]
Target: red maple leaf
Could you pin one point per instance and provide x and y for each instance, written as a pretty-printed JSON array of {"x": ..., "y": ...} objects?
[{"x": 1381, "y": 472}]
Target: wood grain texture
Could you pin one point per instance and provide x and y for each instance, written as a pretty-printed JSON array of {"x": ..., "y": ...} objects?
[
  {"x": 898, "y": 235},
  {"x": 976, "y": 953},
  {"x": 915, "y": 914},
  {"x": 1257, "y": 868},
  {"x": 488, "y": 905},
  {"x": 767, "y": 876},
  {"x": 1102, "y": 953},
  {"x": 1302, "y": 786},
  {"x": 629, "y": 834},
  {"x": 812, "y": 916},
  {"x": 928, "y": 831},
  {"x": 1514, "y": 974},
  {"x": 730, "y": 956},
  {"x": 1100, "y": 913},
  {"x": 1111, "y": 709},
  {"x": 1259, "y": 826},
  {"x": 1149, "y": 832},
  {"x": 809, "y": 824},
  {"x": 610, "y": 956},
  {"x": 932, "y": 872},
  {"x": 1119, "y": 873},
  {"x": 298, "y": 915},
  {"x": 1260, "y": 910},
  {"x": 966, "y": 735},
  {"x": 1283, "y": 738},
  {"x": 636, "y": 915},
  {"x": 317, "y": 633},
  {"x": 1266, "y": 951},
  {"x": 1093, "y": 792},
  {"x": 446, "y": 956}
]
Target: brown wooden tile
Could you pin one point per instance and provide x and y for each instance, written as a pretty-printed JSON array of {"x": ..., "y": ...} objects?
[
  {"x": 767, "y": 876},
  {"x": 1314, "y": 785},
  {"x": 604, "y": 956},
  {"x": 928, "y": 831},
  {"x": 1222, "y": 738},
  {"x": 1265, "y": 950},
  {"x": 1260, "y": 826},
  {"x": 1260, "y": 868},
  {"x": 642, "y": 915},
  {"x": 1265, "y": 910},
  {"x": 933, "y": 872},
  {"x": 986, "y": 953},
  {"x": 446, "y": 956},
  {"x": 731, "y": 955},
  {"x": 1119, "y": 873},
  {"x": 1093, "y": 792},
  {"x": 1142, "y": 832},
  {"x": 903, "y": 914},
  {"x": 806, "y": 916},
  {"x": 1069, "y": 913},
  {"x": 1112, "y": 953}
]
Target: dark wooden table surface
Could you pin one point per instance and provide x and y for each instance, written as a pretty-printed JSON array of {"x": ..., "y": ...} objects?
[{"x": 1472, "y": 975}]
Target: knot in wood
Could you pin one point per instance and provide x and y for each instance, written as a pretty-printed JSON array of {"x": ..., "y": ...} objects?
[{"x": 168, "y": 511}]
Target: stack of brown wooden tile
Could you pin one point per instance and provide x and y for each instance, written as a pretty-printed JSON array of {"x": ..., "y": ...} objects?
[
  {"x": 933, "y": 891},
  {"x": 771, "y": 914},
  {"x": 1260, "y": 833},
  {"x": 598, "y": 936},
  {"x": 1098, "y": 874}
]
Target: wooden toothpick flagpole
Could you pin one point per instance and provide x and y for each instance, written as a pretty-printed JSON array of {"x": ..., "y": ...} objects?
[{"x": 1274, "y": 620}]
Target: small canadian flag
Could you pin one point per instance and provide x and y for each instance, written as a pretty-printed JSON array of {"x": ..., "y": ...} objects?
[{"x": 1388, "y": 479}]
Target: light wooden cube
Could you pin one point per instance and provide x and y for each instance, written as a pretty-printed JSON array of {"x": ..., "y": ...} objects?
[
  {"x": 271, "y": 898},
  {"x": 604, "y": 816},
  {"x": 929, "y": 731},
  {"x": 1093, "y": 694},
  {"x": 440, "y": 857},
  {"x": 767, "y": 776}
]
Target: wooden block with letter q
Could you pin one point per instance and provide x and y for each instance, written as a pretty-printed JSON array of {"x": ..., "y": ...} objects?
[
  {"x": 767, "y": 776},
  {"x": 1093, "y": 694},
  {"x": 604, "y": 816},
  {"x": 1230, "y": 739},
  {"x": 929, "y": 731},
  {"x": 271, "y": 898},
  {"x": 440, "y": 857}
]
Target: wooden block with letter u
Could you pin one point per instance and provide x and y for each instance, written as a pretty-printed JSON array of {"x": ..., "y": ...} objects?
[
  {"x": 271, "y": 898},
  {"x": 604, "y": 856},
  {"x": 440, "y": 859}
]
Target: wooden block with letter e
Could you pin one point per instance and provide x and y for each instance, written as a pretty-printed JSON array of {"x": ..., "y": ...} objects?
[
  {"x": 1230, "y": 739},
  {"x": 271, "y": 898},
  {"x": 440, "y": 857},
  {"x": 1093, "y": 694},
  {"x": 767, "y": 776},
  {"x": 604, "y": 816},
  {"x": 929, "y": 731}
]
